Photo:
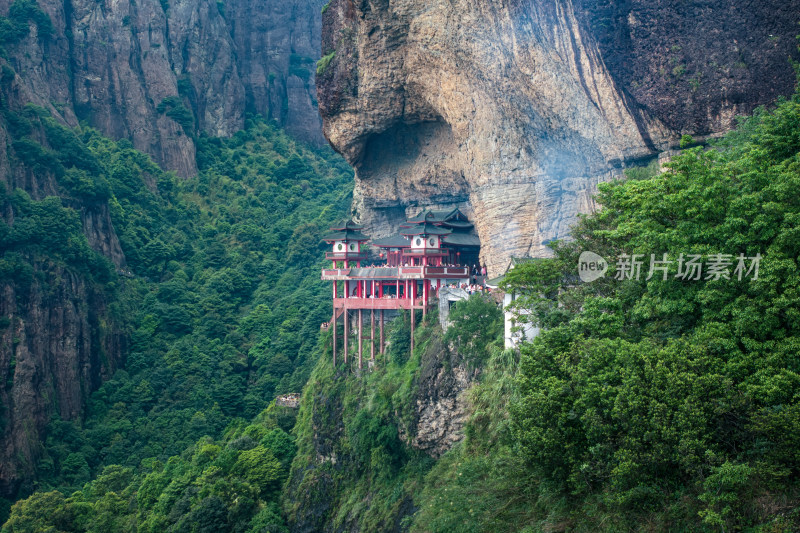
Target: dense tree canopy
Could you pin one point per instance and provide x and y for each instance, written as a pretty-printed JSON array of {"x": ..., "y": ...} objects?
[
  {"x": 675, "y": 389},
  {"x": 220, "y": 297}
]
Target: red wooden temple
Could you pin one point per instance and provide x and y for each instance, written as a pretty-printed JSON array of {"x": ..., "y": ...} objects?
[{"x": 430, "y": 250}]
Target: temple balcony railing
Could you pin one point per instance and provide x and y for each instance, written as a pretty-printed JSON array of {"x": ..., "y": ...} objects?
[
  {"x": 396, "y": 273},
  {"x": 345, "y": 256},
  {"x": 425, "y": 252},
  {"x": 377, "y": 303}
]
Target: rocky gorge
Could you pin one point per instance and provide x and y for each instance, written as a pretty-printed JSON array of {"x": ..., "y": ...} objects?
[
  {"x": 512, "y": 110},
  {"x": 516, "y": 110},
  {"x": 159, "y": 73}
]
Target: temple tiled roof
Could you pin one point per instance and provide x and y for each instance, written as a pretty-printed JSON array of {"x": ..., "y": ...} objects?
[
  {"x": 393, "y": 241},
  {"x": 462, "y": 239},
  {"x": 346, "y": 235},
  {"x": 425, "y": 228},
  {"x": 347, "y": 225}
]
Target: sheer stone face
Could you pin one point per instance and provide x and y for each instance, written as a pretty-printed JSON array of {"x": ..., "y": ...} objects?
[
  {"x": 112, "y": 64},
  {"x": 510, "y": 110}
]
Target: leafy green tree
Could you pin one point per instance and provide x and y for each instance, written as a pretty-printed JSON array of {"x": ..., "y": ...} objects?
[
  {"x": 476, "y": 322},
  {"x": 268, "y": 520},
  {"x": 664, "y": 389},
  {"x": 260, "y": 467},
  {"x": 44, "y": 512},
  {"x": 75, "y": 469}
]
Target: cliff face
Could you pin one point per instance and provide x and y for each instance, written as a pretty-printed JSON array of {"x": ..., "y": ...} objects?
[
  {"x": 133, "y": 69},
  {"x": 55, "y": 348},
  {"x": 519, "y": 108},
  {"x": 439, "y": 404},
  {"x": 277, "y": 45},
  {"x": 357, "y": 431},
  {"x": 58, "y": 338}
]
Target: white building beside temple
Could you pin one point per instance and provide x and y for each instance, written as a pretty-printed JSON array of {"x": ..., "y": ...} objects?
[{"x": 516, "y": 331}]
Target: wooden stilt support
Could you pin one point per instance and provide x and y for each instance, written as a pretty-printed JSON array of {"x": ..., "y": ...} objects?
[
  {"x": 333, "y": 324},
  {"x": 424, "y": 297},
  {"x": 412, "y": 328},
  {"x": 380, "y": 326},
  {"x": 372, "y": 335},
  {"x": 413, "y": 313},
  {"x": 346, "y": 333},
  {"x": 360, "y": 329}
]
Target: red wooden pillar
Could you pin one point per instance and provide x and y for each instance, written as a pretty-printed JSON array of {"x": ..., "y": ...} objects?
[
  {"x": 380, "y": 326},
  {"x": 372, "y": 335},
  {"x": 412, "y": 328},
  {"x": 359, "y": 337},
  {"x": 334, "y": 334},
  {"x": 346, "y": 332},
  {"x": 413, "y": 312},
  {"x": 428, "y": 290}
]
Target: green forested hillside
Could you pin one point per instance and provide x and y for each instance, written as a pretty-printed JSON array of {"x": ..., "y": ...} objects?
[
  {"x": 676, "y": 399},
  {"x": 644, "y": 405},
  {"x": 653, "y": 404},
  {"x": 649, "y": 405},
  {"x": 221, "y": 301}
]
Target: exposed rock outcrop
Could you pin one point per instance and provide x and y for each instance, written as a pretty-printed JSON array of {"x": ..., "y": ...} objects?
[
  {"x": 523, "y": 107},
  {"x": 58, "y": 338},
  {"x": 56, "y": 346},
  {"x": 439, "y": 405},
  {"x": 100, "y": 233},
  {"x": 131, "y": 68}
]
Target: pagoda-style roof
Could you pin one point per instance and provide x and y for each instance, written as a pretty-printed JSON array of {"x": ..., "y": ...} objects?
[
  {"x": 345, "y": 235},
  {"x": 494, "y": 283},
  {"x": 519, "y": 261},
  {"x": 457, "y": 215},
  {"x": 457, "y": 224},
  {"x": 438, "y": 216},
  {"x": 393, "y": 241},
  {"x": 347, "y": 225},
  {"x": 425, "y": 228},
  {"x": 426, "y": 216},
  {"x": 462, "y": 239}
]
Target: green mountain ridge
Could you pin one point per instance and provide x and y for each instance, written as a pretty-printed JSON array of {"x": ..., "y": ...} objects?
[
  {"x": 216, "y": 293},
  {"x": 644, "y": 405}
]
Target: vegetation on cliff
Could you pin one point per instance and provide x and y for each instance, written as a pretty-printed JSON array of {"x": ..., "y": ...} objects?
[
  {"x": 219, "y": 295},
  {"x": 356, "y": 467},
  {"x": 658, "y": 405},
  {"x": 676, "y": 399},
  {"x": 651, "y": 404}
]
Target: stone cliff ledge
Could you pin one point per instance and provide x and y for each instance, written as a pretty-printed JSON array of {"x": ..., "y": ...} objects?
[{"x": 516, "y": 110}]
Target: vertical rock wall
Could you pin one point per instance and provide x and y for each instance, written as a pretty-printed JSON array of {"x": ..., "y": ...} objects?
[
  {"x": 58, "y": 337},
  {"x": 113, "y": 64},
  {"x": 523, "y": 107},
  {"x": 56, "y": 346}
]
